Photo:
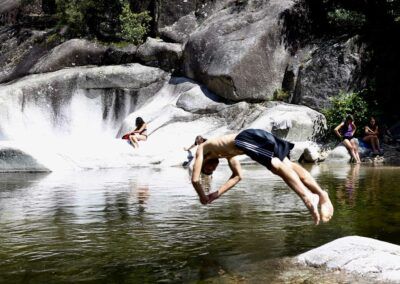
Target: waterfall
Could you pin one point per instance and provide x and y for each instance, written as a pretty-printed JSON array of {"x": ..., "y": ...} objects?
[{"x": 53, "y": 127}]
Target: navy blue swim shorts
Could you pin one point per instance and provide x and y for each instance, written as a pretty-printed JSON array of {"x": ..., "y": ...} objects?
[{"x": 261, "y": 146}]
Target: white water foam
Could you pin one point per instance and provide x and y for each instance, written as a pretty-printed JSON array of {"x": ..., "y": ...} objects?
[{"x": 84, "y": 132}]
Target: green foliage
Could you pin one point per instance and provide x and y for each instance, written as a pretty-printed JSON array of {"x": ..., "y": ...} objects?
[
  {"x": 344, "y": 104},
  {"x": 281, "y": 95},
  {"x": 71, "y": 13},
  {"x": 90, "y": 18},
  {"x": 346, "y": 19},
  {"x": 134, "y": 26}
]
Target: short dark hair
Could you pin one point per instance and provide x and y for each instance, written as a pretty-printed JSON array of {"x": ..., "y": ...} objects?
[
  {"x": 214, "y": 160},
  {"x": 199, "y": 137}
]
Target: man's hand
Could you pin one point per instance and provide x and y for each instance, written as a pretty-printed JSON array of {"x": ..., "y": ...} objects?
[
  {"x": 212, "y": 196},
  {"x": 204, "y": 200}
]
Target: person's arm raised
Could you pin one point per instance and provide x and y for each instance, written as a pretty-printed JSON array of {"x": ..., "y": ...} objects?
[
  {"x": 232, "y": 181},
  {"x": 196, "y": 175},
  {"x": 337, "y": 130}
]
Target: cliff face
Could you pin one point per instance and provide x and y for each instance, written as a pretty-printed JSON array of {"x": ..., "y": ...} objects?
[{"x": 241, "y": 50}]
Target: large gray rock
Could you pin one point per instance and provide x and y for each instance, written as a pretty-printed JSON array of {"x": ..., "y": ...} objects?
[
  {"x": 291, "y": 122},
  {"x": 120, "y": 55},
  {"x": 131, "y": 76},
  {"x": 238, "y": 52},
  {"x": 330, "y": 68},
  {"x": 168, "y": 12},
  {"x": 199, "y": 100},
  {"x": 157, "y": 53},
  {"x": 371, "y": 258},
  {"x": 74, "y": 52},
  {"x": 180, "y": 30}
]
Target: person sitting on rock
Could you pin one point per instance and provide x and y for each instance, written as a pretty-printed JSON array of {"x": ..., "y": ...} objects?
[
  {"x": 271, "y": 152},
  {"x": 371, "y": 133},
  {"x": 345, "y": 131},
  {"x": 139, "y": 134}
]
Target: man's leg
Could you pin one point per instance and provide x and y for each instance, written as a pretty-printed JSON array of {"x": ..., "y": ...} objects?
[
  {"x": 313, "y": 186},
  {"x": 291, "y": 178}
]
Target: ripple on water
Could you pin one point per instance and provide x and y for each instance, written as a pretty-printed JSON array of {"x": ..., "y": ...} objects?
[{"x": 149, "y": 225}]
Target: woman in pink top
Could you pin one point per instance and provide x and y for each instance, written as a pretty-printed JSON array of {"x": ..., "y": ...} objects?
[{"x": 345, "y": 131}]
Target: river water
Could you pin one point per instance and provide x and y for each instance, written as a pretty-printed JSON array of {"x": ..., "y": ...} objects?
[{"x": 146, "y": 225}]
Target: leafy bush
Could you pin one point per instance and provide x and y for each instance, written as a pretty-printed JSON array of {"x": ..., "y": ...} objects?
[
  {"x": 346, "y": 19},
  {"x": 344, "y": 104},
  {"x": 72, "y": 14},
  {"x": 134, "y": 26}
]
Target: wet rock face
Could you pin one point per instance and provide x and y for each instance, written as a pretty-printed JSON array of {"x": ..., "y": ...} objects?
[
  {"x": 332, "y": 67},
  {"x": 237, "y": 52}
]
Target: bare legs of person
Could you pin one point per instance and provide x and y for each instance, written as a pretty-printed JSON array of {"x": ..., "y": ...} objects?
[
  {"x": 135, "y": 138},
  {"x": 353, "y": 149},
  {"x": 374, "y": 142},
  {"x": 287, "y": 172},
  {"x": 134, "y": 141},
  {"x": 306, "y": 178}
]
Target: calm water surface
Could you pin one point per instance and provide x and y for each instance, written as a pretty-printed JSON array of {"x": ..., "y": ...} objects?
[{"x": 146, "y": 225}]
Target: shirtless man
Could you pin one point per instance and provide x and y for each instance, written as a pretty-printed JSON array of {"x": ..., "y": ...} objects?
[{"x": 268, "y": 150}]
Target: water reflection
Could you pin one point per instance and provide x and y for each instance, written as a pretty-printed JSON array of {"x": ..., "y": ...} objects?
[
  {"x": 347, "y": 191},
  {"x": 147, "y": 225}
]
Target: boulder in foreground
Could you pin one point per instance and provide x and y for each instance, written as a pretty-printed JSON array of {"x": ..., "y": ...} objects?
[{"x": 368, "y": 257}]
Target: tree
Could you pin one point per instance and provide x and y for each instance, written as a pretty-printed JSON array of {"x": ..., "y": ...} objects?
[{"x": 134, "y": 26}]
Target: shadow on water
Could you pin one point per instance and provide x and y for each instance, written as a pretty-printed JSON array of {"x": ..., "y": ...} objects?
[{"x": 147, "y": 225}]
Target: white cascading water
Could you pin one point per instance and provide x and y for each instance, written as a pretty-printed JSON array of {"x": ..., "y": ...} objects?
[{"x": 80, "y": 132}]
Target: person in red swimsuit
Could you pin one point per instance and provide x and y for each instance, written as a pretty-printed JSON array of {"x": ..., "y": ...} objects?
[{"x": 139, "y": 134}]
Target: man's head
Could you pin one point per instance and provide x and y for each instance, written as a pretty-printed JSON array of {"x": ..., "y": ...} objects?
[{"x": 209, "y": 166}]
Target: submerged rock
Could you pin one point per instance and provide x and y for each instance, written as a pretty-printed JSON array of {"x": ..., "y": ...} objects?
[{"x": 368, "y": 257}]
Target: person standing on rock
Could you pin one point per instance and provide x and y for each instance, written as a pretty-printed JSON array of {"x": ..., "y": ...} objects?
[
  {"x": 345, "y": 131},
  {"x": 271, "y": 152}
]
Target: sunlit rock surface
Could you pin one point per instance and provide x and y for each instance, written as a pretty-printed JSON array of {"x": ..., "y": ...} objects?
[
  {"x": 75, "y": 117},
  {"x": 368, "y": 257}
]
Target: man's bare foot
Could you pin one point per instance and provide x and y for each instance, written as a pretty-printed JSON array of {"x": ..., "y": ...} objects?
[
  {"x": 326, "y": 207},
  {"x": 212, "y": 196},
  {"x": 312, "y": 206}
]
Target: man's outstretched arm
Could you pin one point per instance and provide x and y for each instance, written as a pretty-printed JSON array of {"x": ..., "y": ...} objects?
[
  {"x": 198, "y": 162},
  {"x": 232, "y": 181}
]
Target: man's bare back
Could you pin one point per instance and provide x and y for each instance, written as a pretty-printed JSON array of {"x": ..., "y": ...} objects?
[{"x": 221, "y": 147}]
